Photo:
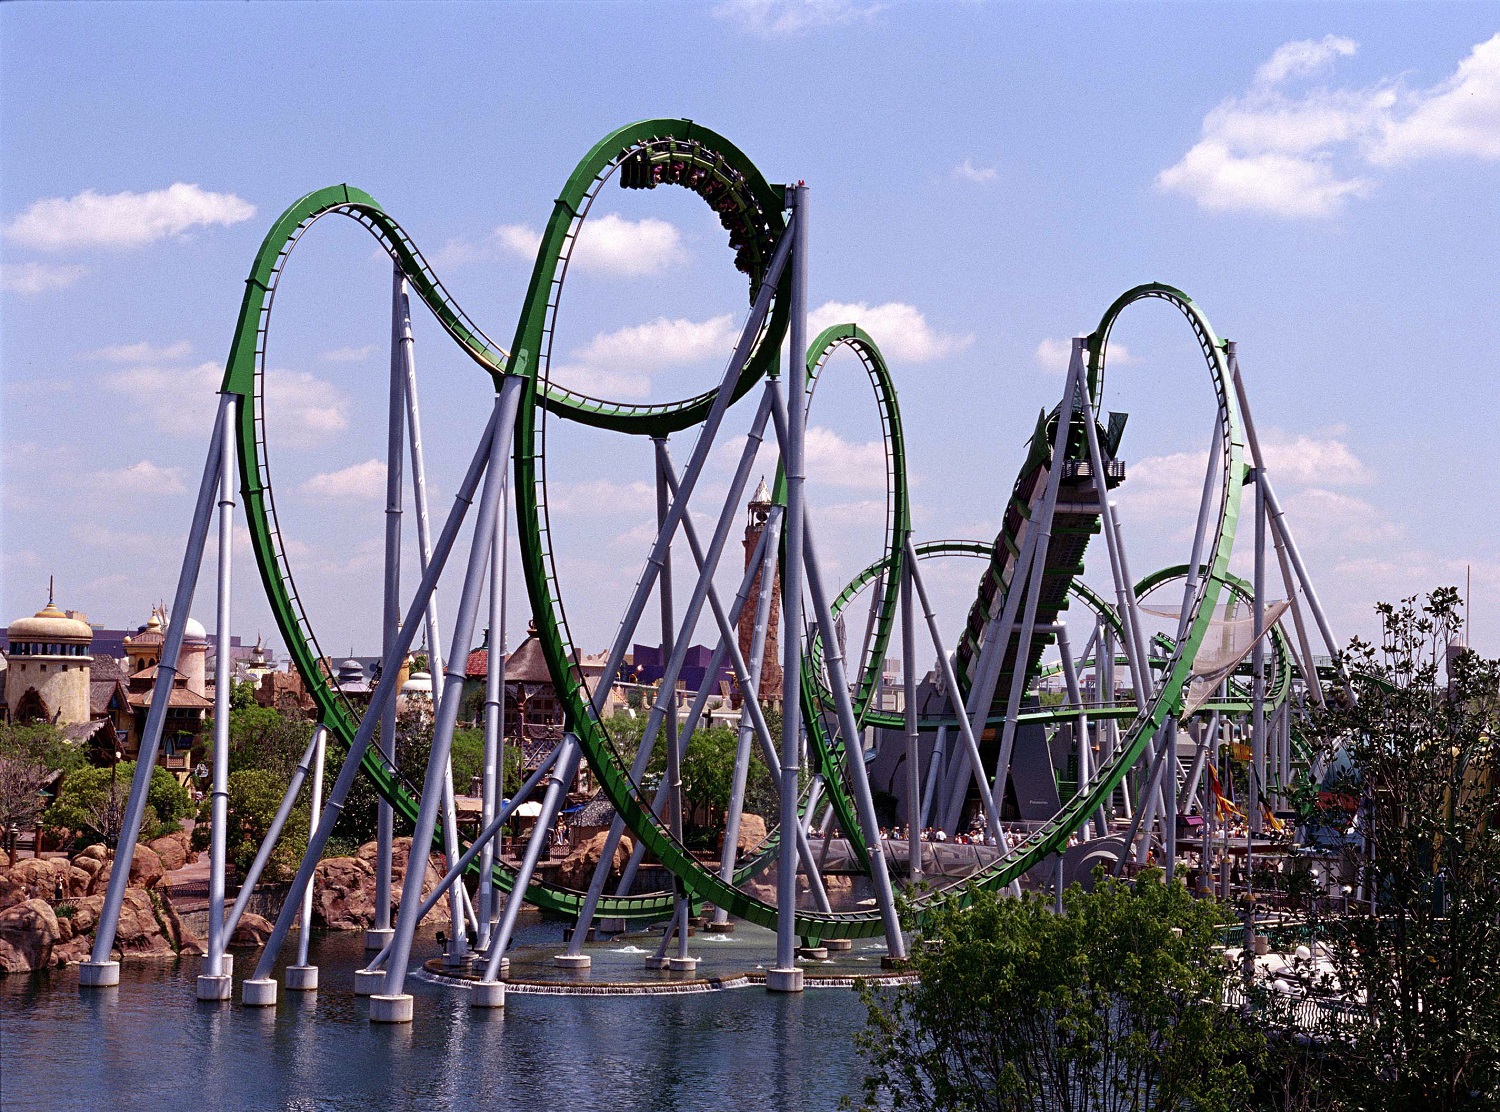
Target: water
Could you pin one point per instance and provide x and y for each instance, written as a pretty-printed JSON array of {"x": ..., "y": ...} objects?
[{"x": 150, "y": 1045}]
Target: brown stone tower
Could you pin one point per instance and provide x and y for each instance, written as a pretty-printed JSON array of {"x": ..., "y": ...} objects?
[{"x": 756, "y": 513}]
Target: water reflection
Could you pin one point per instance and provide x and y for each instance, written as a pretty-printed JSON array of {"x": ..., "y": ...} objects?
[{"x": 151, "y": 1044}]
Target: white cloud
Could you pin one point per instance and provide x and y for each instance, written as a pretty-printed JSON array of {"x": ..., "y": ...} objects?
[
  {"x": 619, "y": 364},
  {"x": 832, "y": 459},
  {"x": 142, "y": 352},
  {"x": 1459, "y": 116},
  {"x": 608, "y": 244},
  {"x": 1270, "y": 184},
  {"x": 1326, "y": 461},
  {"x": 120, "y": 220},
  {"x": 900, "y": 330},
  {"x": 601, "y": 496},
  {"x": 348, "y": 354},
  {"x": 519, "y": 239},
  {"x": 1295, "y": 59},
  {"x": 302, "y": 410},
  {"x": 662, "y": 343},
  {"x": 359, "y": 482},
  {"x": 979, "y": 175},
  {"x": 139, "y": 478},
  {"x": 1339, "y": 519},
  {"x": 1053, "y": 356},
  {"x": 30, "y": 279},
  {"x": 1306, "y": 154},
  {"x": 776, "y": 18}
]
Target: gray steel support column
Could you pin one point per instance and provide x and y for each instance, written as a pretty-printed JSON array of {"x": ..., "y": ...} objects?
[
  {"x": 564, "y": 769},
  {"x": 213, "y": 963},
  {"x": 1258, "y": 664},
  {"x": 395, "y": 464},
  {"x": 950, "y": 681},
  {"x": 765, "y": 560},
  {"x": 859, "y": 777},
  {"x": 668, "y": 695},
  {"x": 1147, "y": 807},
  {"x": 1169, "y": 804},
  {"x": 384, "y": 694},
  {"x": 1136, "y": 657},
  {"x": 273, "y": 835},
  {"x": 913, "y": 757},
  {"x": 1278, "y": 521},
  {"x": 703, "y": 591},
  {"x": 483, "y": 841},
  {"x": 457, "y": 937},
  {"x": 934, "y": 774},
  {"x": 315, "y": 804},
  {"x": 1185, "y": 798},
  {"x": 447, "y": 714},
  {"x": 100, "y": 970},
  {"x": 1042, "y": 527},
  {"x": 694, "y": 469},
  {"x": 1085, "y": 756},
  {"x": 791, "y": 599},
  {"x": 494, "y": 720}
]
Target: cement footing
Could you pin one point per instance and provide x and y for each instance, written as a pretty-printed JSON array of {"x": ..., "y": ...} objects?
[
  {"x": 572, "y": 961},
  {"x": 390, "y": 1009},
  {"x": 212, "y": 987},
  {"x": 888, "y": 962},
  {"x": 258, "y": 993},
  {"x": 302, "y": 978},
  {"x": 226, "y": 965},
  {"x": 839, "y": 943},
  {"x": 487, "y": 994},
  {"x": 653, "y": 962},
  {"x": 99, "y": 974},
  {"x": 682, "y": 965},
  {"x": 812, "y": 953},
  {"x": 376, "y": 939},
  {"x": 784, "y": 980},
  {"x": 712, "y": 927},
  {"x": 568, "y": 934},
  {"x": 367, "y": 982}
]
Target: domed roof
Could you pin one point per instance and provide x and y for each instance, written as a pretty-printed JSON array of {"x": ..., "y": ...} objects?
[
  {"x": 49, "y": 624},
  {"x": 351, "y": 671},
  {"x": 193, "y": 630},
  {"x": 419, "y": 684},
  {"x": 148, "y": 634}
]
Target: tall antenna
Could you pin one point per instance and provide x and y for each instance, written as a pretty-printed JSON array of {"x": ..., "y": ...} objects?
[
  {"x": 1468, "y": 585},
  {"x": 49, "y": 590}
]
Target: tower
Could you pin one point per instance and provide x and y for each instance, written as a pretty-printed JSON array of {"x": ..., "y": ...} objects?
[
  {"x": 756, "y": 513},
  {"x": 47, "y": 673}
]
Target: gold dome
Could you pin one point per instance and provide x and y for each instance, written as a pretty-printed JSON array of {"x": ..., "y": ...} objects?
[{"x": 50, "y": 624}]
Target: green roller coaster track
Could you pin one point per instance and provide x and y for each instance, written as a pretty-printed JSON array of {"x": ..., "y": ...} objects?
[{"x": 682, "y": 153}]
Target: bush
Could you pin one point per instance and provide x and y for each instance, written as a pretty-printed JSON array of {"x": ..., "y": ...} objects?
[
  {"x": 91, "y": 803},
  {"x": 1115, "y": 1004}
]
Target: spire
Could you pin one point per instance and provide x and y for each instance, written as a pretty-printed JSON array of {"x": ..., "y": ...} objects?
[{"x": 762, "y": 496}]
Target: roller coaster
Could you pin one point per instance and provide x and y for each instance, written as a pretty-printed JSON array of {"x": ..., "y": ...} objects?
[{"x": 1054, "y": 767}]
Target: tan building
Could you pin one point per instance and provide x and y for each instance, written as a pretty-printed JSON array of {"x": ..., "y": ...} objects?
[
  {"x": 189, "y": 703},
  {"x": 47, "y": 667},
  {"x": 757, "y": 512}
]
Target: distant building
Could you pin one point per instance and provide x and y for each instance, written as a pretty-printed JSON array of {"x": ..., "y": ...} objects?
[
  {"x": 47, "y": 667},
  {"x": 189, "y": 702},
  {"x": 50, "y": 677},
  {"x": 757, "y": 512}
]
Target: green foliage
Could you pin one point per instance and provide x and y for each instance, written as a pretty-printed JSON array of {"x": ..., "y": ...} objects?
[
  {"x": 1113, "y": 1005},
  {"x": 241, "y": 695},
  {"x": 42, "y": 744},
  {"x": 1422, "y": 744},
  {"x": 254, "y": 796},
  {"x": 65, "y": 911},
  {"x": 91, "y": 802}
]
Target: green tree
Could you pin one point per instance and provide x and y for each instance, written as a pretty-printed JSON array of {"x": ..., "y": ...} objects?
[
  {"x": 1421, "y": 948},
  {"x": 91, "y": 802},
  {"x": 30, "y": 758},
  {"x": 254, "y": 796},
  {"x": 241, "y": 695},
  {"x": 1115, "y": 1004}
]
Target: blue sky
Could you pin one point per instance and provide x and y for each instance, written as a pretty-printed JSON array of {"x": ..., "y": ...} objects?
[{"x": 986, "y": 179}]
